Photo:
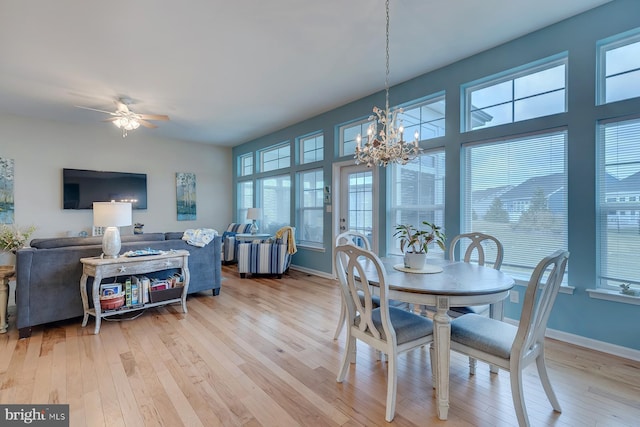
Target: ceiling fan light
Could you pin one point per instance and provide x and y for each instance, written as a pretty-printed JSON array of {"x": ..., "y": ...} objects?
[
  {"x": 134, "y": 124},
  {"x": 119, "y": 123}
]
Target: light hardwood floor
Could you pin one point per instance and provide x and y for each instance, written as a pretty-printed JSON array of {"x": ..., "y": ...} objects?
[{"x": 262, "y": 353}]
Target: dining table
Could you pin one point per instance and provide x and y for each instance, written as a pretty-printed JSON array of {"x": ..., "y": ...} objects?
[{"x": 443, "y": 284}]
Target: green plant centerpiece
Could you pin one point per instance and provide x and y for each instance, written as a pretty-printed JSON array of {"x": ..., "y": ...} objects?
[{"x": 415, "y": 241}]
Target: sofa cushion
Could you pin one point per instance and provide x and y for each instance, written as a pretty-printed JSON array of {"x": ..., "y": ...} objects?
[{"x": 62, "y": 242}]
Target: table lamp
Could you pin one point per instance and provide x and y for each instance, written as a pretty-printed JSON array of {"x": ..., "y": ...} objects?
[
  {"x": 253, "y": 214},
  {"x": 111, "y": 215}
]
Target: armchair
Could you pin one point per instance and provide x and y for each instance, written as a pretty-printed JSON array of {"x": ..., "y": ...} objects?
[
  {"x": 268, "y": 257},
  {"x": 229, "y": 242}
]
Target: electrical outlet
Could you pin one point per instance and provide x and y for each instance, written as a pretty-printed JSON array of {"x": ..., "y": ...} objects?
[{"x": 514, "y": 297}]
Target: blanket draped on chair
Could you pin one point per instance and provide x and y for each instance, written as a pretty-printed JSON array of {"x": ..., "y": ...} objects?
[
  {"x": 200, "y": 236},
  {"x": 291, "y": 241}
]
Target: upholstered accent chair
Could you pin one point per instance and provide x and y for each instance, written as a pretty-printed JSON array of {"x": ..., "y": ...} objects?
[
  {"x": 229, "y": 242},
  {"x": 267, "y": 257}
]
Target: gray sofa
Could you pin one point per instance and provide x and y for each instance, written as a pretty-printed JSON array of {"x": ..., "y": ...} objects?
[{"x": 48, "y": 273}]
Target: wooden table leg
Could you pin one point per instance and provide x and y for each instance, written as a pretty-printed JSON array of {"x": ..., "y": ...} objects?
[
  {"x": 4, "y": 301},
  {"x": 442, "y": 340}
]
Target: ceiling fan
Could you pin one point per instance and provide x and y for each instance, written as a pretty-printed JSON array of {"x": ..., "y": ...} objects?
[{"x": 125, "y": 119}]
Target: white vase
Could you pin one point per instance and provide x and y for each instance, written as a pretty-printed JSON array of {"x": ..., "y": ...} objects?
[{"x": 415, "y": 261}]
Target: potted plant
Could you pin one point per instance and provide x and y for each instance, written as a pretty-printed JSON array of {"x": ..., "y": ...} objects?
[
  {"x": 13, "y": 238},
  {"x": 414, "y": 242}
]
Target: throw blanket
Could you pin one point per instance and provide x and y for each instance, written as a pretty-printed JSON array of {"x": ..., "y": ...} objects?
[
  {"x": 200, "y": 236},
  {"x": 291, "y": 241}
]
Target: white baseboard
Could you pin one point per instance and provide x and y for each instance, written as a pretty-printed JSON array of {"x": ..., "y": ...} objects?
[
  {"x": 591, "y": 344},
  {"x": 314, "y": 272}
]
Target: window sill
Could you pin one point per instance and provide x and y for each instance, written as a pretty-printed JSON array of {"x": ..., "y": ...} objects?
[
  {"x": 310, "y": 247},
  {"x": 613, "y": 296}
]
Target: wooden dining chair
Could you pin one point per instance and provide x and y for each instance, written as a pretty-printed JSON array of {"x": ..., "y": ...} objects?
[
  {"x": 387, "y": 329},
  {"x": 360, "y": 240},
  {"x": 513, "y": 348}
]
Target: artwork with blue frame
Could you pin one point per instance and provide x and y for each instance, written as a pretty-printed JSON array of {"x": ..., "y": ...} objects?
[{"x": 186, "y": 196}]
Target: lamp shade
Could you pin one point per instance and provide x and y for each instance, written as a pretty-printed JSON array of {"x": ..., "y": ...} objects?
[
  {"x": 253, "y": 213},
  {"x": 112, "y": 214}
]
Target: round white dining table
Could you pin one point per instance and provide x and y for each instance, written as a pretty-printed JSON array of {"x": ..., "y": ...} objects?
[{"x": 459, "y": 284}]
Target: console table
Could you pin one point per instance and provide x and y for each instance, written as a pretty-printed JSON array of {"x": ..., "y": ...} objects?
[
  {"x": 7, "y": 272},
  {"x": 99, "y": 268}
]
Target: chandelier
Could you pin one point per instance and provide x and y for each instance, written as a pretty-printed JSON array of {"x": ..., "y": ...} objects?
[{"x": 386, "y": 145}]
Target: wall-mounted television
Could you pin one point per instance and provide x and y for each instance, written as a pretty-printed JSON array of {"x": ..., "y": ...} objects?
[{"x": 83, "y": 187}]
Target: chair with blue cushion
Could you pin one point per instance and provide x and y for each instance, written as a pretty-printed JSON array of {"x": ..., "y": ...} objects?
[
  {"x": 271, "y": 257},
  {"x": 229, "y": 242},
  {"x": 514, "y": 348},
  {"x": 387, "y": 329}
]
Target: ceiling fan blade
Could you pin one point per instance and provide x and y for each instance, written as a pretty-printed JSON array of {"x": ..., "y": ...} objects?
[
  {"x": 153, "y": 117},
  {"x": 147, "y": 124},
  {"x": 120, "y": 106},
  {"x": 112, "y": 119},
  {"x": 95, "y": 109}
]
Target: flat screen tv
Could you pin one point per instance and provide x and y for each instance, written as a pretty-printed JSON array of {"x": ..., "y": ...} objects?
[{"x": 83, "y": 187}]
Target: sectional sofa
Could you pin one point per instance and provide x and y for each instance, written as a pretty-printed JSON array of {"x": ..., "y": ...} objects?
[{"x": 48, "y": 273}]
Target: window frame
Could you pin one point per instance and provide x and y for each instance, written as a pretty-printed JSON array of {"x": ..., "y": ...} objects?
[
  {"x": 243, "y": 159},
  {"x": 513, "y": 74},
  {"x": 276, "y": 148},
  {"x": 602, "y": 48},
  {"x": 301, "y": 145},
  {"x": 363, "y": 123}
]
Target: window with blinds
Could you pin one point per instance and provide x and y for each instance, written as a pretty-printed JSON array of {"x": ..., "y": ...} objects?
[
  {"x": 275, "y": 199},
  {"x": 619, "y": 203},
  {"x": 516, "y": 190},
  {"x": 311, "y": 207},
  {"x": 244, "y": 200},
  {"x": 416, "y": 194}
]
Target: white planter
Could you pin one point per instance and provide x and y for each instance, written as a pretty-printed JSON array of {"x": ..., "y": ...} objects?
[{"x": 415, "y": 261}]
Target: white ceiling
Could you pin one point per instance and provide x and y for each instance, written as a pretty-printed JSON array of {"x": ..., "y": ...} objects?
[{"x": 229, "y": 71}]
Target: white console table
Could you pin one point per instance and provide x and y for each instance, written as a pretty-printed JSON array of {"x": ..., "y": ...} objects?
[{"x": 100, "y": 268}]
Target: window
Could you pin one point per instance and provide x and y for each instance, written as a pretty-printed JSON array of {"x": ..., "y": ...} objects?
[
  {"x": 618, "y": 206},
  {"x": 538, "y": 90},
  {"x": 246, "y": 164},
  {"x": 275, "y": 199},
  {"x": 348, "y": 135},
  {"x": 417, "y": 194},
  {"x": 619, "y": 67},
  {"x": 245, "y": 200},
  {"x": 426, "y": 117},
  {"x": 276, "y": 157},
  {"x": 516, "y": 190},
  {"x": 311, "y": 203},
  {"x": 311, "y": 148}
]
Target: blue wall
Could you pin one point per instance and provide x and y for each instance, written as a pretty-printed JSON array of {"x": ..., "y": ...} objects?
[{"x": 611, "y": 322}]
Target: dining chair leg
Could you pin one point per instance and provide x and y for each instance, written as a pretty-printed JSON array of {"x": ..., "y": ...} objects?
[
  {"x": 472, "y": 366},
  {"x": 341, "y": 320},
  {"x": 518, "y": 397},
  {"x": 432, "y": 359},
  {"x": 546, "y": 384},
  {"x": 348, "y": 357},
  {"x": 392, "y": 383}
]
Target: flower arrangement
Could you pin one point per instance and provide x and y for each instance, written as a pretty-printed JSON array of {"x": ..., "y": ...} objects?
[
  {"x": 417, "y": 240},
  {"x": 13, "y": 237}
]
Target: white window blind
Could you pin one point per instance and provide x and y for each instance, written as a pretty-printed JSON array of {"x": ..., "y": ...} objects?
[
  {"x": 311, "y": 212},
  {"x": 516, "y": 190},
  {"x": 619, "y": 203},
  {"x": 416, "y": 194},
  {"x": 245, "y": 200},
  {"x": 275, "y": 199}
]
